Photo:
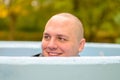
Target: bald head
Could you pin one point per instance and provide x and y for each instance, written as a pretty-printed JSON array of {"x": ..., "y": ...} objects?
[
  {"x": 69, "y": 19},
  {"x": 63, "y": 36}
]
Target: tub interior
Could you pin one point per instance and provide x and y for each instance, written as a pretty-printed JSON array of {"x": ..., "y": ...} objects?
[{"x": 29, "y": 48}]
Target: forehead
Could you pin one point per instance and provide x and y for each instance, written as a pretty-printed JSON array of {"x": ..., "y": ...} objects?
[
  {"x": 57, "y": 31},
  {"x": 61, "y": 25},
  {"x": 60, "y": 22}
]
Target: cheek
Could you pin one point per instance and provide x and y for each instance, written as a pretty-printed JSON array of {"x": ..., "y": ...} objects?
[
  {"x": 66, "y": 47},
  {"x": 43, "y": 44},
  {"x": 71, "y": 48}
]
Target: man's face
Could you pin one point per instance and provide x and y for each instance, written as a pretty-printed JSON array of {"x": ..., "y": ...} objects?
[{"x": 59, "y": 39}]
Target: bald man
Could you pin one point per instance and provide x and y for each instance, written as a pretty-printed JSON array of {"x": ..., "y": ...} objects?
[{"x": 63, "y": 36}]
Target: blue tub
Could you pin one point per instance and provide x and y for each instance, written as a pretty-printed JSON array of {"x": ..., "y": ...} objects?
[
  {"x": 60, "y": 68},
  {"x": 16, "y": 63}
]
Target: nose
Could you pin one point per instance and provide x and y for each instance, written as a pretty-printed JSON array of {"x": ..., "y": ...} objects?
[{"x": 52, "y": 44}]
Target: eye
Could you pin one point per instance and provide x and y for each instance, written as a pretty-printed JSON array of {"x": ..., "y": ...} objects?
[
  {"x": 62, "y": 39},
  {"x": 46, "y": 37}
]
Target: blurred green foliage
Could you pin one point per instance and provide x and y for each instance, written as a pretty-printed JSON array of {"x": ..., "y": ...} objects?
[{"x": 25, "y": 19}]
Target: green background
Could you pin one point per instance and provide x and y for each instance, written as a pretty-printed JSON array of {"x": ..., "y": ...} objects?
[{"x": 24, "y": 20}]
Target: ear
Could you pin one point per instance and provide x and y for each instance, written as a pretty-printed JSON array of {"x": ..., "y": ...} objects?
[{"x": 81, "y": 44}]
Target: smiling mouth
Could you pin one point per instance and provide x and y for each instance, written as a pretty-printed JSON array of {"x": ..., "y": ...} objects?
[{"x": 54, "y": 54}]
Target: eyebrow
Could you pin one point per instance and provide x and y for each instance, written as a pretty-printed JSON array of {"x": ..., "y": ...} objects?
[
  {"x": 61, "y": 35},
  {"x": 45, "y": 34}
]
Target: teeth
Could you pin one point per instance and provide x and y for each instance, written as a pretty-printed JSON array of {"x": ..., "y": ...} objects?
[{"x": 54, "y": 54}]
